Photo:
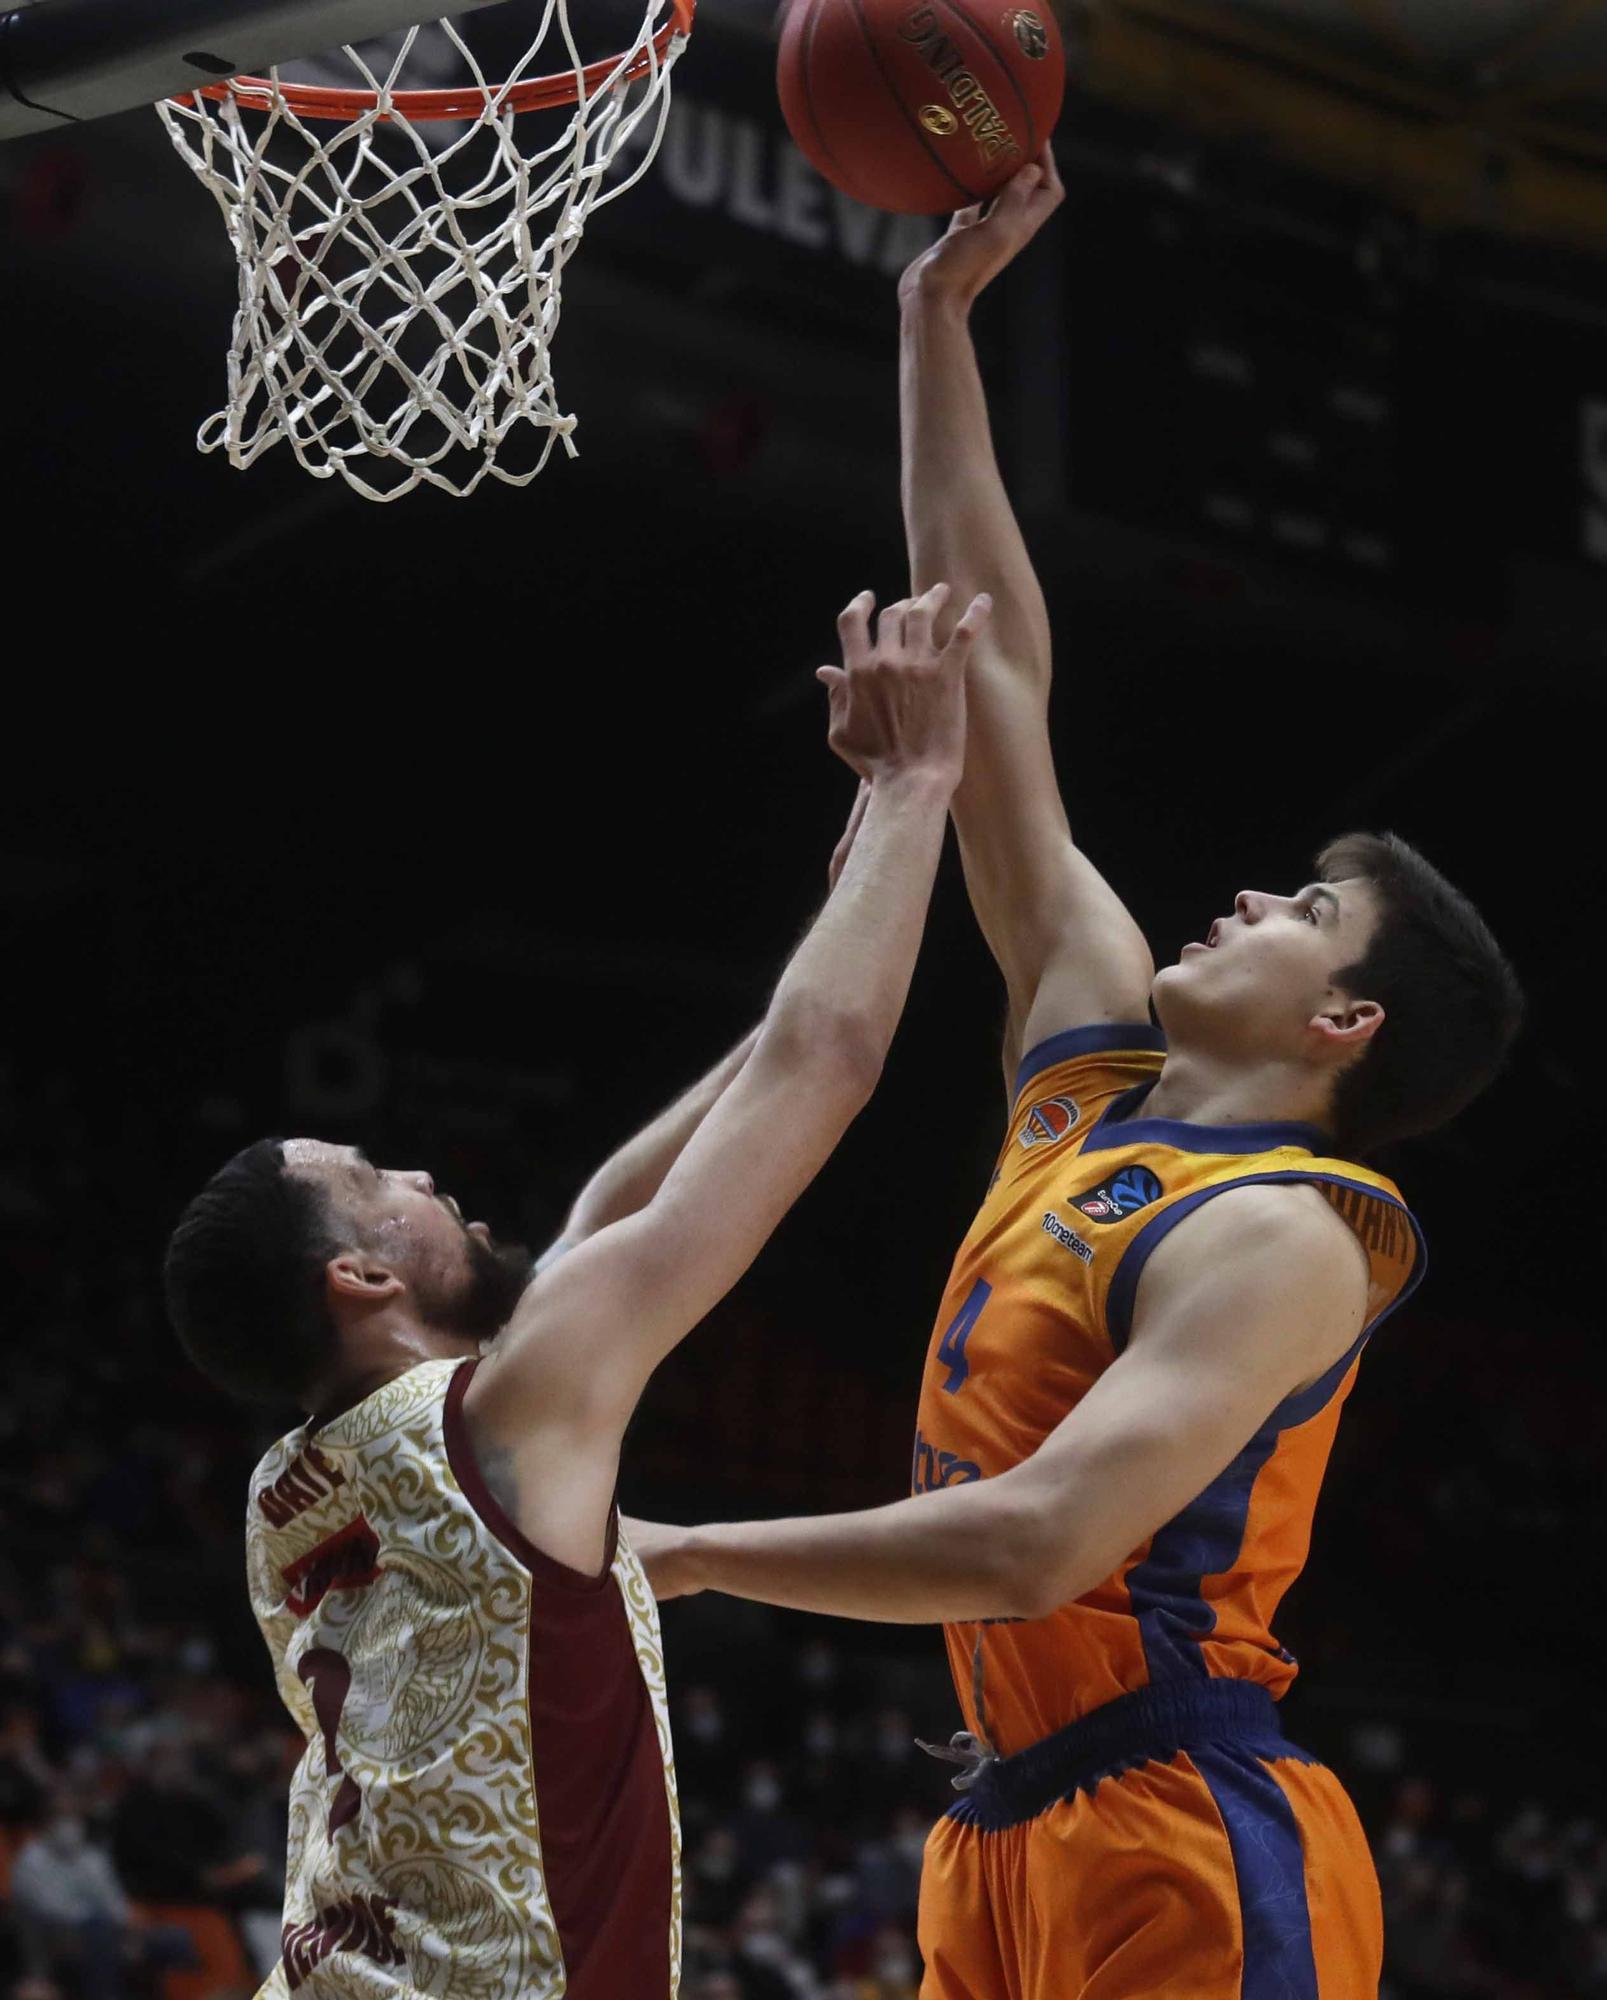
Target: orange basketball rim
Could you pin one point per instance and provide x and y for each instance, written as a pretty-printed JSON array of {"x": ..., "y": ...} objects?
[{"x": 538, "y": 93}]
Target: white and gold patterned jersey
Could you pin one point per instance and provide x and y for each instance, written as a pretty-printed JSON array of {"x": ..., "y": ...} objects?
[{"x": 486, "y": 1807}]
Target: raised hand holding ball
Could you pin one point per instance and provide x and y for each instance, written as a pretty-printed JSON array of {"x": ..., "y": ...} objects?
[{"x": 920, "y": 106}]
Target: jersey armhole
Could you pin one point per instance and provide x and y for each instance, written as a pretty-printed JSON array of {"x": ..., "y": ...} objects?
[
  {"x": 1305, "y": 1403},
  {"x": 1098, "y": 1038},
  {"x": 471, "y": 1482}
]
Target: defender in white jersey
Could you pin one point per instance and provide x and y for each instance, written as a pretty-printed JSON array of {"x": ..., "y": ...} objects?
[{"x": 486, "y": 1806}]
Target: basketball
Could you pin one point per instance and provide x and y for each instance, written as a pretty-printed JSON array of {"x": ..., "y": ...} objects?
[{"x": 920, "y": 106}]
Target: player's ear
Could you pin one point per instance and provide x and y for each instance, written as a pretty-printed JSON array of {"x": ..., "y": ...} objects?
[
  {"x": 360, "y": 1279},
  {"x": 1344, "y": 1026}
]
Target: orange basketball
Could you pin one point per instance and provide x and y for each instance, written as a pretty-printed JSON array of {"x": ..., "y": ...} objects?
[{"x": 920, "y": 106}]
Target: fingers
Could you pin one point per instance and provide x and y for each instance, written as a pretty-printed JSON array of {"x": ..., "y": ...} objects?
[
  {"x": 853, "y": 627},
  {"x": 1032, "y": 191},
  {"x": 890, "y": 633},
  {"x": 965, "y": 634},
  {"x": 1022, "y": 182},
  {"x": 920, "y": 617},
  {"x": 903, "y": 628}
]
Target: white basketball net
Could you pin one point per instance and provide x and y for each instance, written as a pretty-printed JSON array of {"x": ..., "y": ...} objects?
[{"x": 400, "y": 284}]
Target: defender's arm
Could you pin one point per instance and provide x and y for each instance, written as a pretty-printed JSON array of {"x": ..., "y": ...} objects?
[
  {"x": 1247, "y": 1301},
  {"x": 629, "y": 1178},
  {"x": 564, "y": 1377},
  {"x": 1069, "y": 951}
]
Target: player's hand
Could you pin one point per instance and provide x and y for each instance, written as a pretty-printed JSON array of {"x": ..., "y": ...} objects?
[
  {"x": 981, "y": 240},
  {"x": 662, "y": 1552},
  {"x": 844, "y": 847},
  {"x": 898, "y": 699}
]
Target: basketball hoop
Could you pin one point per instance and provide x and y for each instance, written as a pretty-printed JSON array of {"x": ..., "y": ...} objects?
[{"x": 400, "y": 282}]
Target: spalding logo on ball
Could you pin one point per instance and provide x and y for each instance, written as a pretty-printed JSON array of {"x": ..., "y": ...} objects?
[
  {"x": 919, "y": 106},
  {"x": 1030, "y": 32}
]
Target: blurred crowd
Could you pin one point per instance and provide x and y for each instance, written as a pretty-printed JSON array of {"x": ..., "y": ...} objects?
[
  {"x": 143, "y": 1765},
  {"x": 144, "y": 1756},
  {"x": 1509, "y": 1904}
]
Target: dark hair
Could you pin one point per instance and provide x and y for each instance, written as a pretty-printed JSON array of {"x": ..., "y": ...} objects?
[
  {"x": 244, "y": 1278},
  {"x": 1451, "y": 1000}
]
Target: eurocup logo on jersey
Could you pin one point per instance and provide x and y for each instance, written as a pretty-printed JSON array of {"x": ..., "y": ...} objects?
[
  {"x": 1049, "y": 1121},
  {"x": 1123, "y": 1195}
]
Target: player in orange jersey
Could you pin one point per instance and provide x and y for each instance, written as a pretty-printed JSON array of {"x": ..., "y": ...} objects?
[
  {"x": 486, "y": 1806},
  {"x": 1137, "y": 1369}
]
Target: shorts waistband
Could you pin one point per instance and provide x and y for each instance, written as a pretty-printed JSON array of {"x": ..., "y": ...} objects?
[{"x": 1149, "y": 1726}]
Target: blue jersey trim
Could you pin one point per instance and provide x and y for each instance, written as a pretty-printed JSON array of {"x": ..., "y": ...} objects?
[
  {"x": 1118, "y": 1127},
  {"x": 1166, "y": 1590},
  {"x": 1264, "y": 1839},
  {"x": 1124, "y": 1285},
  {"x": 1149, "y": 1726},
  {"x": 1103, "y": 1038}
]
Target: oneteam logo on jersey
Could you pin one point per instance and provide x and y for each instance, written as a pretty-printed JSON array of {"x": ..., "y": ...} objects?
[
  {"x": 1122, "y": 1195},
  {"x": 1068, "y": 1239},
  {"x": 1049, "y": 1121}
]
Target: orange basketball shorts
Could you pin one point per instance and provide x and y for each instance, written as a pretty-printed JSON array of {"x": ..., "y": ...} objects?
[{"x": 1171, "y": 1843}]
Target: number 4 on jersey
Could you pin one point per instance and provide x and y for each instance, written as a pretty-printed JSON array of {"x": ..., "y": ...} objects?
[{"x": 951, "y": 1349}]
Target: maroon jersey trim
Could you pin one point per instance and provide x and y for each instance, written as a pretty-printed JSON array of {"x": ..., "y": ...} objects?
[
  {"x": 466, "y": 1471},
  {"x": 602, "y": 1799}
]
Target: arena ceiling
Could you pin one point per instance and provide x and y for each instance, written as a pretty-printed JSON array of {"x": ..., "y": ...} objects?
[{"x": 1475, "y": 113}]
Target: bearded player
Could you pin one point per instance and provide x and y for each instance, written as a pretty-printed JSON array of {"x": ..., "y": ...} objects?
[
  {"x": 1139, "y": 1363},
  {"x": 486, "y": 1806}
]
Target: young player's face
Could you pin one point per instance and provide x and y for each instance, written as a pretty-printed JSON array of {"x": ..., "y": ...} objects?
[
  {"x": 461, "y": 1280},
  {"x": 1259, "y": 979}
]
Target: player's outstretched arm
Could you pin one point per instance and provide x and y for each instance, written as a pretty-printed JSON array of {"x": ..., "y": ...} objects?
[
  {"x": 1069, "y": 951},
  {"x": 565, "y": 1375},
  {"x": 1249, "y": 1300},
  {"x": 630, "y": 1177}
]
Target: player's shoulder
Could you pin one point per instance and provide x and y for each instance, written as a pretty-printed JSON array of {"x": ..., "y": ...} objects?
[
  {"x": 1273, "y": 1227},
  {"x": 1284, "y": 1214}
]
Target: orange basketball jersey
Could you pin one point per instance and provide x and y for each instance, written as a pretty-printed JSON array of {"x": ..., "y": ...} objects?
[{"x": 1039, "y": 1304}]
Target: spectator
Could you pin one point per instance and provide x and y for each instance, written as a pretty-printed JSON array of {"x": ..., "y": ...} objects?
[
  {"x": 26, "y": 1776},
  {"x": 768, "y": 1966},
  {"x": 887, "y": 1873},
  {"x": 716, "y": 1880},
  {"x": 895, "y": 1970},
  {"x": 722, "y": 1984},
  {"x": 766, "y": 1831},
  {"x": 72, "y": 1914},
  {"x": 172, "y": 1839},
  {"x": 702, "y": 1744},
  {"x": 251, "y": 1779}
]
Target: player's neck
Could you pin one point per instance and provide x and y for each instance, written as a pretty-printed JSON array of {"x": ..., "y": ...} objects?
[
  {"x": 1198, "y": 1088},
  {"x": 383, "y": 1353}
]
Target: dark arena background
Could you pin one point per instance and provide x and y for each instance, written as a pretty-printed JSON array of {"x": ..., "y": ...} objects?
[{"x": 471, "y": 831}]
